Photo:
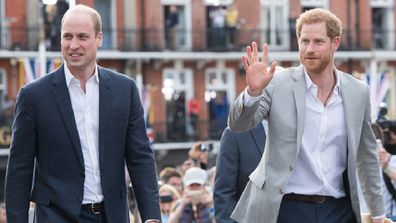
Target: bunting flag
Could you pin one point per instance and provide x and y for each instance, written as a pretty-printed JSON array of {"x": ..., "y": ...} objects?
[
  {"x": 29, "y": 68},
  {"x": 382, "y": 89},
  {"x": 147, "y": 103}
]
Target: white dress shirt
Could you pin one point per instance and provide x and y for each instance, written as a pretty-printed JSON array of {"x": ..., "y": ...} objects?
[
  {"x": 86, "y": 113},
  {"x": 323, "y": 154}
]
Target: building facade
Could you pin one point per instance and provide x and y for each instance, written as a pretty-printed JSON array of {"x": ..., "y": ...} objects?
[{"x": 186, "y": 59}]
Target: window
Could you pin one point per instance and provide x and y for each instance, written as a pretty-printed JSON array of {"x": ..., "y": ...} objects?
[
  {"x": 107, "y": 11},
  {"x": 383, "y": 24},
  {"x": 177, "y": 89},
  {"x": 381, "y": 3},
  {"x": 220, "y": 92},
  {"x": 275, "y": 23},
  {"x": 6, "y": 112},
  {"x": 180, "y": 36},
  {"x": 4, "y": 23},
  {"x": 314, "y": 3}
]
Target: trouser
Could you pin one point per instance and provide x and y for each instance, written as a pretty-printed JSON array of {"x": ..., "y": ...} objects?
[{"x": 329, "y": 211}]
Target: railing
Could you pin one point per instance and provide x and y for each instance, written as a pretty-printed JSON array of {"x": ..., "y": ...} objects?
[
  {"x": 182, "y": 131},
  {"x": 220, "y": 40}
]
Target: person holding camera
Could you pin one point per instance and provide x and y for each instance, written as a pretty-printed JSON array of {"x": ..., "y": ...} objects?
[
  {"x": 168, "y": 196},
  {"x": 198, "y": 156},
  {"x": 196, "y": 202}
]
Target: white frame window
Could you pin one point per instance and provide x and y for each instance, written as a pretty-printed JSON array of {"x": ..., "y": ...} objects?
[
  {"x": 381, "y": 3},
  {"x": 386, "y": 35},
  {"x": 187, "y": 26},
  {"x": 176, "y": 80},
  {"x": 220, "y": 79},
  {"x": 3, "y": 85},
  {"x": 218, "y": 2},
  {"x": 274, "y": 23},
  {"x": 315, "y": 3}
]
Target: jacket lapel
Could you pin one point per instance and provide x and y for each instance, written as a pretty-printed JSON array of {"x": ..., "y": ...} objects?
[
  {"x": 62, "y": 98},
  {"x": 105, "y": 100},
  {"x": 299, "y": 91},
  {"x": 348, "y": 97}
]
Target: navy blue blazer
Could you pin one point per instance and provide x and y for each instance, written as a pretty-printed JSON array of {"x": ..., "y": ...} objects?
[
  {"x": 45, "y": 138},
  {"x": 239, "y": 155}
]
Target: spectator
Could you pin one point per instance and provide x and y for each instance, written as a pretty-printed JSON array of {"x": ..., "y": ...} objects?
[
  {"x": 217, "y": 17},
  {"x": 194, "y": 108},
  {"x": 196, "y": 202},
  {"x": 173, "y": 177},
  {"x": 199, "y": 155},
  {"x": 239, "y": 155},
  {"x": 231, "y": 17},
  {"x": 171, "y": 21}
]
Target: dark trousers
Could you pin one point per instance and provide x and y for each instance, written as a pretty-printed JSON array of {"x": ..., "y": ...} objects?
[
  {"x": 88, "y": 217},
  {"x": 45, "y": 213},
  {"x": 332, "y": 211}
]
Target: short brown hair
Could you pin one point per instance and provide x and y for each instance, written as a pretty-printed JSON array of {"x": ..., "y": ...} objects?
[
  {"x": 169, "y": 172},
  {"x": 318, "y": 15},
  {"x": 96, "y": 19}
]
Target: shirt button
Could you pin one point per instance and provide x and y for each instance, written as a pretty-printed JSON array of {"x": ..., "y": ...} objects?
[
  {"x": 281, "y": 191},
  {"x": 290, "y": 168}
]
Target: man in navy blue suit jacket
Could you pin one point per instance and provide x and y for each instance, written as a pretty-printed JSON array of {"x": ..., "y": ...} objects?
[
  {"x": 239, "y": 155},
  {"x": 75, "y": 130}
]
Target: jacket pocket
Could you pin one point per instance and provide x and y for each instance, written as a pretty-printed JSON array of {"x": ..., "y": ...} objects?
[{"x": 257, "y": 178}]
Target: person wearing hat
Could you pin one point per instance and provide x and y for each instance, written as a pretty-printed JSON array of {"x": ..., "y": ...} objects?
[{"x": 196, "y": 201}]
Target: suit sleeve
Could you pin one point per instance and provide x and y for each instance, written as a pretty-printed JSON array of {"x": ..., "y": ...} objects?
[
  {"x": 369, "y": 168},
  {"x": 140, "y": 162},
  {"x": 20, "y": 161},
  {"x": 225, "y": 187},
  {"x": 243, "y": 117}
]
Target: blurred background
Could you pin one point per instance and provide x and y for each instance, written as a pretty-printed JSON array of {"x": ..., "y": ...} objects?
[{"x": 185, "y": 57}]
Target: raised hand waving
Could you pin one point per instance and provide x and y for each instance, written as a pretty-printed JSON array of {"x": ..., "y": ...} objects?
[{"x": 257, "y": 74}]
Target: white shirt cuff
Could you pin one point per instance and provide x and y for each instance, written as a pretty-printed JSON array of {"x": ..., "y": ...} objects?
[
  {"x": 249, "y": 100},
  {"x": 378, "y": 217}
]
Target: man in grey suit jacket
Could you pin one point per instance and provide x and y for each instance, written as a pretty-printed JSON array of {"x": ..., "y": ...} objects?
[
  {"x": 239, "y": 155},
  {"x": 319, "y": 134},
  {"x": 76, "y": 129}
]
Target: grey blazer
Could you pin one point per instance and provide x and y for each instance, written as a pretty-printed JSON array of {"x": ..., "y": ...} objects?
[{"x": 283, "y": 105}]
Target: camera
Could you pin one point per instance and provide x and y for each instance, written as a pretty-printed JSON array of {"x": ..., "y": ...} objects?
[
  {"x": 166, "y": 198},
  {"x": 388, "y": 128},
  {"x": 206, "y": 147}
]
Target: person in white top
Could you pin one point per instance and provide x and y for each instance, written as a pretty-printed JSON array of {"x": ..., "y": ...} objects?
[
  {"x": 77, "y": 128},
  {"x": 319, "y": 134}
]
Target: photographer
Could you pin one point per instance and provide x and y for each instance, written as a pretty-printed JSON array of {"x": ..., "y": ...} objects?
[
  {"x": 196, "y": 202},
  {"x": 168, "y": 197},
  {"x": 198, "y": 156}
]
